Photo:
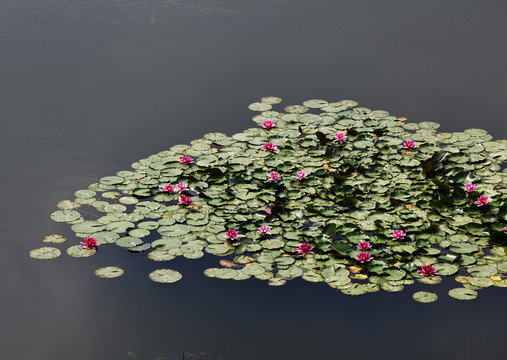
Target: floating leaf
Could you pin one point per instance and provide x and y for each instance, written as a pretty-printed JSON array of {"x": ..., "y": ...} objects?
[
  {"x": 79, "y": 251},
  {"x": 463, "y": 294},
  {"x": 45, "y": 253},
  {"x": 425, "y": 297},
  {"x": 109, "y": 272},
  {"x": 165, "y": 276}
]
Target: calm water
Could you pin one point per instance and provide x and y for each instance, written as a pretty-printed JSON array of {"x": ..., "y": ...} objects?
[{"x": 88, "y": 87}]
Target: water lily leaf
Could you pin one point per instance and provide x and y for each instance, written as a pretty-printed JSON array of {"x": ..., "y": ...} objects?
[
  {"x": 45, "y": 253},
  {"x": 79, "y": 251},
  {"x": 482, "y": 270},
  {"x": 55, "y": 239},
  {"x": 128, "y": 242},
  {"x": 463, "y": 294},
  {"x": 65, "y": 216},
  {"x": 425, "y": 297},
  {"x": 105, "y": 237},
  {"x": 165, "y": 276},
  {"x": 165, "y": 244},
  {"x": 109, "y": 272}
]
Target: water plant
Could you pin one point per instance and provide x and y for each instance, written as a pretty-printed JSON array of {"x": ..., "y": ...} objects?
[{"x": 382, "y": 202}]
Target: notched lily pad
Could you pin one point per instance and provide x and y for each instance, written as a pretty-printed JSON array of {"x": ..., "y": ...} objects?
[
  {"x": 45, "y": 253},
  {"x": 109, "y": 272},
  {"x": 165, "y": 276}
]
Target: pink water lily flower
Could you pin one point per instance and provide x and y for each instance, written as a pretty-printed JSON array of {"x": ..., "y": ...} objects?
[
  {"x": 274, "y": 176},
  {"x": 264, "y": 229},
  {"x": 427, "y": 270},
  {"x": 268, "y": 211},
  {"x": 409, "y": 145},
  {"x": 186, "y": 160},
  {"x": 340, "y": 137},
  {"x": 363, "y": 257},
  {"x": 269, "y": 146},
  {"x": 185, "y": 200},
  {"x": 483, "y": 200},
  {"x": 364, "y": 245},
  {"x": 301, "y": 175},
  {"x": 398, "y": 234},
  {"x": 168, "y": 188},
  {"x": 231, "y": 234},
  {"x": 304, "y": 249},
  {"x": 470, "y": 187},
  {"x": 89, "y": 243},
  {"x": 268, "y": 124},
  {"x": 181, "y": 186}
]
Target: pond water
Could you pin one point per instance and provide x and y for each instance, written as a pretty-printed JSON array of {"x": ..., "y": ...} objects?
[{"x": 89, "y": 87}]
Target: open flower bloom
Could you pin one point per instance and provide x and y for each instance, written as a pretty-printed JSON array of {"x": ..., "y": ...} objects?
[
  {"x": 269, "y": 146},
  {"x": 364, "y": 245},
  {"x": 168, "y": 188},
  {"x": 268, "y": 124},
  {"x": 185, "y": 200},
  {"x": 470, "y": 187},
  {"x": 409, "y": 145},
  {"x": 274, "y": 176},
  {"x": 304, "y": 249},
  {"x": 301, "y": 175},
  {"x": 268, "y": 211},
  {"x": 264, "y": 229},
  {"x": 340, "y": 137},
  {"x": 483, "y": 200},
  {"x": 363, "y": 257},
  {"x": 231, "y": 234},
  {"x": 186, "y": 160},
  {"x": 427, "y": 270},
  {"x": 181, "y": 186},
  {"x": 89, "y": 243},
  {"x": 398, "y": 234}
]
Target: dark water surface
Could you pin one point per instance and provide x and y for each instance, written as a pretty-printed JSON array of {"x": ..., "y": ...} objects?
[{"x": 88, "y": 87}]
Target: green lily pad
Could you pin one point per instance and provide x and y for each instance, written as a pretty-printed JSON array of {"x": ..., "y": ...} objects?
[
  {"x": 45, "y": 253},
  {"x": 109, "y": 272},
  {"x": 165, "y": 276},
  {"x": 463, "y": 294},
  {"x": 425, "y": 297},
  {"x": 78, "y": 251}
]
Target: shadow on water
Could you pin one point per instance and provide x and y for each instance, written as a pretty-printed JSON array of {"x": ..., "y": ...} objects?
[{"x": 185, "y": 355}]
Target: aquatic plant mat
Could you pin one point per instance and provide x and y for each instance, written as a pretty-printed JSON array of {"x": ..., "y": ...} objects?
[{"x": 329, "y": 192}]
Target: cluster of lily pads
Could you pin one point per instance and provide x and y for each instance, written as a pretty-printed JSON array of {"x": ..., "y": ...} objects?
[{"x": 329, "y": 192}]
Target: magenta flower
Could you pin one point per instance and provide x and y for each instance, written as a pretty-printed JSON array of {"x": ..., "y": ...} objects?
[
  {"x": 274, "y": 176},
  {"x": 268, "y": 211},
  {"x": 340, "y": 137},
  {"x": 364, "y": 245},
  {"x": 398, "y": 234},
  {"x": 89, "y": 243},
  {"x": 470, "y": 187},
  {"x": 427, "y": 270},
  {"x": 301, "y": 175},
  {"x": 268, "y": 124},
  {"x": 168, "y": 188},
  {"x": 409, "y": 145},
  {"x": 363, "y": 257},
  {"x": 483, "y": 200},
  {"x": 231, "y": 234},
  {"x": 186, "y": 160},
  {"x": 304, "y": 249},
  {"x": 505, "y": 229},
  {"x": 181, "y": 186},
  {"x": 264, "y": 229},
  {"x": 269, "y": 146},
  {"x": 185, "y": 200}
]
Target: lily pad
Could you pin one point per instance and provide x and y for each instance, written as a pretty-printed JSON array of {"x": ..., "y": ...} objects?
[
  {"x": 165, "y": 276},
  {"x": 109, "y": 272},
  {"x": 425, "y": 297},
  {"x": 45, "y": 253}
]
